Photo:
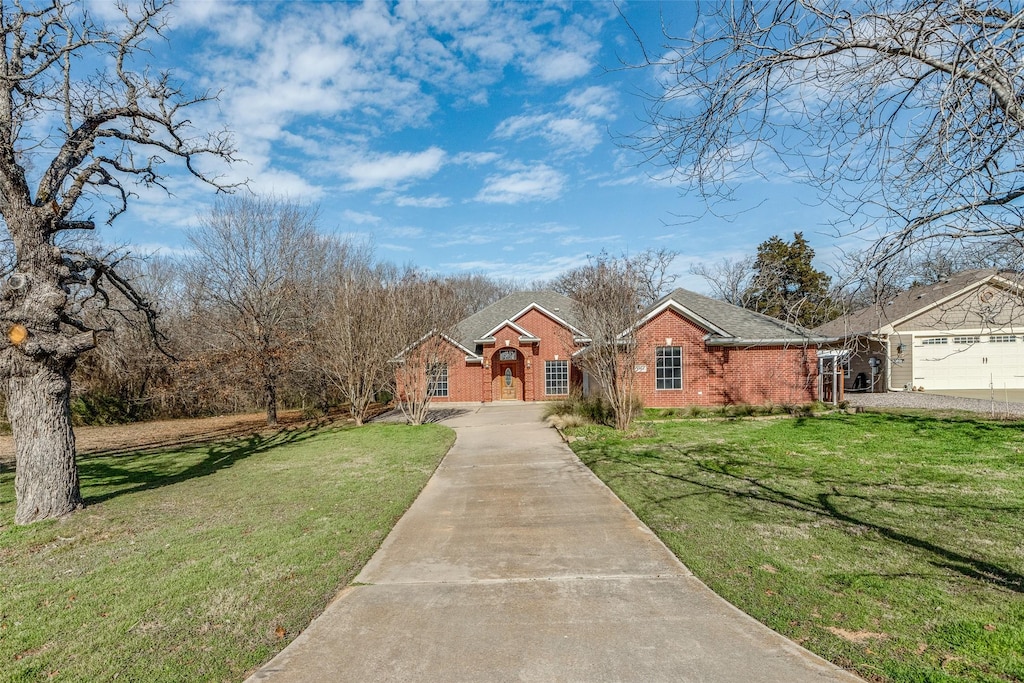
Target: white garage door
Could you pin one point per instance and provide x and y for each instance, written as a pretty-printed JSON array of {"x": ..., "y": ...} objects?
[{"x": 969, "y": 362}]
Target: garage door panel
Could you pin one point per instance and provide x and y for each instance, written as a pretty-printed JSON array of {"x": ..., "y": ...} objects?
[{"x": 972, "y": 366}]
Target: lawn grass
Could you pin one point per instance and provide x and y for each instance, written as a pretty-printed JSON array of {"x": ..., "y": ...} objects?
[
  {"x": 892, "y": 545},
  {"x": 201, "y": 563}
]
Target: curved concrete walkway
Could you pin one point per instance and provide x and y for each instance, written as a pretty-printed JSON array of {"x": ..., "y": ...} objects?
[{"x": 517, "y": 564}]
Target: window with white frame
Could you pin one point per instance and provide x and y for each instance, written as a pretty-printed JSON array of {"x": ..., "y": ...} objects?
[
  {"x": 932, "y": 341},
  {"x": 437, "y": 380},
  {"x": 668, "y": 363},
  {"x": 1003, "y": 339},
  {"x": 556, "y": 377},
  {"x": 966, "y": 340}
]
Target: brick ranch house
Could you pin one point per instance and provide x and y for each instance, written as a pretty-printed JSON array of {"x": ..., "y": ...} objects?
[{"x": 693, "y": 350}]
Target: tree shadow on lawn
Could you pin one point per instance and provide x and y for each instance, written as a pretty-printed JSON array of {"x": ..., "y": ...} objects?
[
  {"x": 719, "y": 477},
  {"x": 122, "y": 473},
  {"x": 925, "y": 421},
  {"x": 433, "y": 416}
]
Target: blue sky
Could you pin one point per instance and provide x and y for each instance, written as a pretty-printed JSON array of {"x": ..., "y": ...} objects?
[{"x": 456, "y": 136}]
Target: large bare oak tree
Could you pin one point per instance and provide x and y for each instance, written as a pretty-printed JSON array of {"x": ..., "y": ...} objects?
[
  {"x": 81, "y": 121},
  {"x": 906, "y": 114}
]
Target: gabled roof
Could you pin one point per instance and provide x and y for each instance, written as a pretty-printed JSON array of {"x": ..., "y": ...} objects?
[
  {"x": 489, "y": 320},
  {"x": 729, "y": 325},
  {"x": 524, "y": 334},
  {"x": 453, "y": 342},
  {"x": 911, "y": 303}
]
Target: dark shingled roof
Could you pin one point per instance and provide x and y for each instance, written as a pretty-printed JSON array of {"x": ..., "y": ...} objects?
[
  {"x": 741, "y": 326},
  {"x": 483, "y": 321},
  {"x": 872, "y": 318}
]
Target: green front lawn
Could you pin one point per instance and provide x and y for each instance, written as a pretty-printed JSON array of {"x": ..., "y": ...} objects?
[
  {"x": 201, "y": 563},
  {"x": 892, "y": 545}
]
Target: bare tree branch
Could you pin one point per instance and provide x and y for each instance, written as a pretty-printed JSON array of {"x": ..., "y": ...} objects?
[{"x": 907, "y": 116}]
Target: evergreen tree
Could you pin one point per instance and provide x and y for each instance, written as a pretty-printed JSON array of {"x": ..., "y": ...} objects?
[{"x": 786, "y": 285}]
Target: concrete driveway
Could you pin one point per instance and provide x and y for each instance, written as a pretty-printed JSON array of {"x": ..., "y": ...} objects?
[{"x": 517, "y": 564}]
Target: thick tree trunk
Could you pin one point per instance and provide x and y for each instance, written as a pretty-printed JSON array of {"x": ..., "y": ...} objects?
[
  {"x": 270, "y": 393},
  {"x": 46, "y": 479}
]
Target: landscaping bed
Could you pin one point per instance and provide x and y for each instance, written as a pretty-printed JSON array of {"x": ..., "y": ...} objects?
[{"x": 890, "y": 544}]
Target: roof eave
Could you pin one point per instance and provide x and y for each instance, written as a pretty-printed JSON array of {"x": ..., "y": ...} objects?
[{"x": 746, "y": 343}]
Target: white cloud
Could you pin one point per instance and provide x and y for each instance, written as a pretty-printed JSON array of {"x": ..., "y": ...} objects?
[
  {"x": 568, "y": 134},
  {"x": 571, "y": 240},
  {"x": 431, "y": 202},
  {"x": 540, "y": 183},
  {"x": 305, "y": 84},
  {"x": 360, "y": 218},
  {"x": 390, "y": 246},
  {"x": 403, "y": 232},
  {"x": 553, "y": 229},
  {"x": 596, "y": 102},
  {"x": 281, "y": 182},
  {"x": 565, "y": 51},
  {"x": 472, "y": 238},
  {"x": 391, "y": 170},
  {"x": 634, "y": 179},
  {"x": 475, "y": 158},
  {"x": 540, "y": 266},
  {"x": 573, "y": 127},
  {"x": 561, "y": 66}
]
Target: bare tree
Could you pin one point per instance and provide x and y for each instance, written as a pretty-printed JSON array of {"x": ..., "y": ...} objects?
[
  {"x": 357, "y": 342},
  {"x": 610, "y": 293},
  {"x": 428, "y": 312},
  {"x": 105, "y": 130},
  {"x": 649, "y": 272},
  {"x": 254, "y": 260},
  {"x": 729, "y": 279},
  {"x": 906, "y": 115},
  {"x": 118, "y": 380},
  {"x": 476, "y": 290}
]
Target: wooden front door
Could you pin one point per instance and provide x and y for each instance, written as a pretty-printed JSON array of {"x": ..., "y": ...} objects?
[{"x": 509, "y": 383}]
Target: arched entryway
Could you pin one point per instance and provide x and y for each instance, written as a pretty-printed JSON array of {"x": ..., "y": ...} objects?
[{"x": 507, "y": 375}]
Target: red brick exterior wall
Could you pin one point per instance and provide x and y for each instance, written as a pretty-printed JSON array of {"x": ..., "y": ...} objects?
[
  {"x": 556, "y": 343},
  {"x": 723, "y": 375},
  {"x": 463, "y": 377},
  {"x": 480, "y": 382},
  {"x": 711, "y": 375}
]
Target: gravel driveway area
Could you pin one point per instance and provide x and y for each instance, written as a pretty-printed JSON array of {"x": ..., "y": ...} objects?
[{"x": 913, "y": 399}]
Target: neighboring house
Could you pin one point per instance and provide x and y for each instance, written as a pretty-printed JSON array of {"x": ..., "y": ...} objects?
[
  {"x": 693, "y": 351},
  {"x": 962, "y": 333}
]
